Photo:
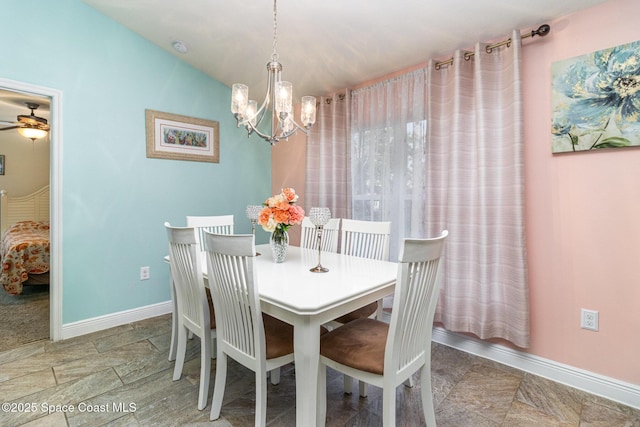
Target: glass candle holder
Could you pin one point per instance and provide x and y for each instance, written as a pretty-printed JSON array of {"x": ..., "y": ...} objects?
[
  {"x": 319, "y": 218},
  {"x": 253, "y": 212}
]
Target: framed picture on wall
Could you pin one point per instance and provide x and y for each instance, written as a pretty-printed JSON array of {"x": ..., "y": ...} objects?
[
  {"x": 1, "y": 164},
  {"x": 172, "y": 136}
]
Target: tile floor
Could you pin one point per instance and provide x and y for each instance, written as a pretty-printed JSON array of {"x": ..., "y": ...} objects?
[{"x": 121, "y": 377}]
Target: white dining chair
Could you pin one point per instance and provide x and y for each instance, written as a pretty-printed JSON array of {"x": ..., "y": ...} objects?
[
  {"x": 329, "y": 239},
  {"x": 222, "y": 224},
  {"x": 219, "y": 224},
  {"x": 388, "y": 354},
  {"x": 193, "y": 305},
  {"x": 365, "y": 239},
  {"x": 257, "y": 341}
]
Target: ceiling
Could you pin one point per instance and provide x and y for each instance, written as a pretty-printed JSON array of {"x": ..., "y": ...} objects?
[{"x": 325, "y": 45}]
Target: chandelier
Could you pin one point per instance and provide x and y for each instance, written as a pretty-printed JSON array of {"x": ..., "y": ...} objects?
[{"x": 278, "y": 98}]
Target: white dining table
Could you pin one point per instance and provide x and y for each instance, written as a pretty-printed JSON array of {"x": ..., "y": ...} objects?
[{"x": 306, "y": 300}]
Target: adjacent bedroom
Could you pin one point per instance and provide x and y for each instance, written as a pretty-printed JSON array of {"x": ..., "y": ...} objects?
[{"x": 24, "y": 218}]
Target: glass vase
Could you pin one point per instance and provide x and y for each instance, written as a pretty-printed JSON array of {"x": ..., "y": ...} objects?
[{"x": 279, "y": 243}]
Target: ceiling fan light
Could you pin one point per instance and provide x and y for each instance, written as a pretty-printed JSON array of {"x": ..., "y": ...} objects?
[{"x": 32, "y": 133}]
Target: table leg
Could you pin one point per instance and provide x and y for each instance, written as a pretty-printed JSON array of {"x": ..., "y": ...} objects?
[{"x": 306, "y": 344}]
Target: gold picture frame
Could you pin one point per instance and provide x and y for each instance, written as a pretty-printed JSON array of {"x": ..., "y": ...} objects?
[{"x": 176, "y": 137}]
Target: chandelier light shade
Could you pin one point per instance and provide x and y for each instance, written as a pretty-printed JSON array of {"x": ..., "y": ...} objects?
[{"x": 278, "y": 99}]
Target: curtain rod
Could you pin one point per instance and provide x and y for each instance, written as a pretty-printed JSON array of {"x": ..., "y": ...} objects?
[{"x": 542, "y": 31}]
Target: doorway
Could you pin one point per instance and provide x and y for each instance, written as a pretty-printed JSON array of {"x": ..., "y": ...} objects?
[{"x": 51, "y": 100}]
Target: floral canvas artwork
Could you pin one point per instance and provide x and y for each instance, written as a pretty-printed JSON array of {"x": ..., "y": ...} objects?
[{"x": 596, "y": 100}]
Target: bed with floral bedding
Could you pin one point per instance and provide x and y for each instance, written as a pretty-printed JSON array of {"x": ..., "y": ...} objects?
[
  {"x": 24, "y": 250},
  {"x": 24, "y": 245}
]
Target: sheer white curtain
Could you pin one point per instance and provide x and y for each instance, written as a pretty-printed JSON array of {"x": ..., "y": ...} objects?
[
  {"x": 328, "y": 182},
  {"x": 475, "y": 189},
  {"x": 388, "y": 129}
]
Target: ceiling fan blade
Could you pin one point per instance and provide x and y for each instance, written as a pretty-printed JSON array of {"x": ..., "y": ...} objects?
[{"x": 10, "y": 127}]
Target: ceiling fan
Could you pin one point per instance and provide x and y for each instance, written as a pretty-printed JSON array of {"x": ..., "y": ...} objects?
[{"x": 31, "y": 126}]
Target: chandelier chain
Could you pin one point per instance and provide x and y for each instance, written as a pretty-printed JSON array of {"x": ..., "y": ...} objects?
[{"x": 274, "y": 56}]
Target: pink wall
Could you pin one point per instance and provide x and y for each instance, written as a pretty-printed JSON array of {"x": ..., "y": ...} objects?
[
  {"x": 288, "y": 170},
  {"x": 583, "y": 211}
]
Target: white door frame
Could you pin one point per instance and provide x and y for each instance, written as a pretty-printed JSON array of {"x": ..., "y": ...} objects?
[{"x": 55, "y": 182}]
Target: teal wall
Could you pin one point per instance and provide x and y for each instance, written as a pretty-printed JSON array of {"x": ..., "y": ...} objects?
[{"x": 114, "y": 199}]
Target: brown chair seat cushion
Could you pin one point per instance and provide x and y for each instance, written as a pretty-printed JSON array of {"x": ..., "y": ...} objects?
[
  {"x": 359, "y": 344},
  {"x": 278, "y": 336},
  {"x": 212, "y": 313},
  {"x": 360, "y": 313}
]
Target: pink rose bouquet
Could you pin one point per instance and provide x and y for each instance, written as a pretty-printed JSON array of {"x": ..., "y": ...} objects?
[{"x": 280, "y": 212}]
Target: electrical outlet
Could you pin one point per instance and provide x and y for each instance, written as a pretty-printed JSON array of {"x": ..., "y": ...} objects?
[
  {"x": 145, "y": 273},
  {"x": 589, "y": 319}
]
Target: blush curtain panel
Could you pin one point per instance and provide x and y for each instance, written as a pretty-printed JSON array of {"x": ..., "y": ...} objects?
[
  {"x": 441, "y": 149},
  {"x": 328, "y": 180},
  {"x": 475, "y": 189}
]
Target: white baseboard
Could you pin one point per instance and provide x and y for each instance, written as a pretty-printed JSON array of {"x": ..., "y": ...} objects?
[
  {"x": 599, "y": 385},
  {"x": 82, "y": 327}
]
